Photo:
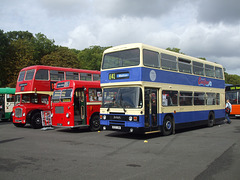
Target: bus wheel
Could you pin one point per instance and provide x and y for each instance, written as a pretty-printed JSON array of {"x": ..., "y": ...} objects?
[
  {"x": 36, "y": 121},
  {"x": 211, "y": 119},
  {"x": 11, "y": 119},
  {"x": 19, "y": 125},
  {"x": 167, "y": 126},
  {"x": 95, "y": 123}
]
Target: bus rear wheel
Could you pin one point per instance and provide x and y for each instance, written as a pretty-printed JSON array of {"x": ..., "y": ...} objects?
[
  {"x": 167, "y": 126},
  {"x": 36, "y": 121},
  {"x": 211, "y": 119},
  {"x": 95, "y": 123}
]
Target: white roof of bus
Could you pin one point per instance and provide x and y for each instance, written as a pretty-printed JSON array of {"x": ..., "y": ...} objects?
[{"x": 144, "y": 46}]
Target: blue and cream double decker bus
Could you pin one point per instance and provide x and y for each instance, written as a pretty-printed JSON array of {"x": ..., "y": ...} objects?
[{"x": 148, "y": 89}]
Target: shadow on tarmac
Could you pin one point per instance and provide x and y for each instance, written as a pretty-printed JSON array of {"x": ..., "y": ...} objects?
[{"x": 129, "y": 135}]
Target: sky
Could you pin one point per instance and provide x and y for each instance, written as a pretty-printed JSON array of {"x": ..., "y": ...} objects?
[{"x": 199, "y": 28}]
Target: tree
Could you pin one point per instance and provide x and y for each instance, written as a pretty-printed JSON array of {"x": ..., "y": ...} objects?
[
  {"x": 22, "y": 53},
  {"x": 90, "y": 58},
  {"x": 177, "y": 50},
  {"x": 15, "y": 35},
  {"x": 232, "y": 79},
  {"x": 62, "y": 57},
  {"x": 42, "y": 47}
]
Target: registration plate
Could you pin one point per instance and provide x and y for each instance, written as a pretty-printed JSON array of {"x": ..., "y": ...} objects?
[{"x": 116, "y": 127}]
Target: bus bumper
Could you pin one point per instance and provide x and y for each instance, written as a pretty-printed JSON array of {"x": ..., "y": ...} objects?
[{"x": 140, "y": 130}]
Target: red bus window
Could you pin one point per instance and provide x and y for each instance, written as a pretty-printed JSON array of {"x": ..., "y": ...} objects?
[
  {"x": 57, "y": 75},
  {"x": 96, "y": 77},
  {"x": 95, "y": 94},
  {"x": 72, "y": 76},
  {"x": 85, "y": 77},
  {"x": 66, "y": 95},
  {"x": 56, "y": 96},
  {"x": 42, "y": 74},
  {"x": 29, "y": 74},
  {"x": 21, "y": 76},
  {"x": 44, "y": 99},
  {"x": 26, "y": 98}
]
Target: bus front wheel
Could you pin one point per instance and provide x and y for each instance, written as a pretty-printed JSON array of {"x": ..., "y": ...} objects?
[
  {"x": 95, "y": 123},
  {"x": 167, "y": 126},
  {"x": 36, "y": 121}
]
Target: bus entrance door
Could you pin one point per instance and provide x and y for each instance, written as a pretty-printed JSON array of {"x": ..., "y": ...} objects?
[
  {"x": 79, "y": 107},
  {"x": 151, "y": 108},
  {"x": 2, "y": 108}
]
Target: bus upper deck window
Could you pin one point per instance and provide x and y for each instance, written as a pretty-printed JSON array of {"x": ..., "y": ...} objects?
[
  {"x": 151, "y": 58},
  {"x": 42, "y": 74},
  {"x": 21, "y": 76},
  {"x": 29, "y": 74}
]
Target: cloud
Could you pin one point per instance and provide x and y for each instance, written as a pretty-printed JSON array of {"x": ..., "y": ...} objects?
[
  {"x": 200, "y": 28},
  {"x": 64, "y": 8},
  {"x": 230, "y": 64},
  {"x": 115, "y": 31},
  {"x": 134, "y": 8},
  {"x": 211, "y": 40},
  {"x": 216, "y": 11}
]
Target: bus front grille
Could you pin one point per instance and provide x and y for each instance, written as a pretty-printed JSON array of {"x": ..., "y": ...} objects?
[
  {"x": 116, "y": 123},
  {"x": 18, "y": 112},
  {"x": 59, "y": 110}
]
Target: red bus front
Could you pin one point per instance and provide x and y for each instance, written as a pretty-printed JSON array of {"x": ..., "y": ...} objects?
[
  {"x": 28, "y": 109},
  {"x": 76, "y": 104}
]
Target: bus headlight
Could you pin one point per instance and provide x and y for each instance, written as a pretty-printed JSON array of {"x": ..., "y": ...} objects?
[
  {"x": 51, "y": 115},
  {"x": 130, "y": 118},
  {"x": 13, "y": 114},
  {"x": 67, "y": 115},
  {"x": 104, "y": 117},
  {"x": 23, "y": 114}
]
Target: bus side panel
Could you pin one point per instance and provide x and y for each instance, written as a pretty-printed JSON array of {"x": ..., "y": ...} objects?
[
  {"x": 194, "y": 118},
  {"x": 235, "y": 109}
]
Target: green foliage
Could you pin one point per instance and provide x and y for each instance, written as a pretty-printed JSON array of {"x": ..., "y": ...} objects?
[
  {"x": 62, "y": 57},
  {"x": 42, "y": 47},
  {"x": 177, "y": 50},
  {"x": 232, "y": 79},
  {"x": 4, "y": 49},
  {"x": 202, "y": 58},
  {"x": 90, "y": 58}
]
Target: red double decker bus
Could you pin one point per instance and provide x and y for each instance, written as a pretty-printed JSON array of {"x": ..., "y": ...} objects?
[
  {"x": 76, "y": 104},
  {"x": 35, "y": 86}
]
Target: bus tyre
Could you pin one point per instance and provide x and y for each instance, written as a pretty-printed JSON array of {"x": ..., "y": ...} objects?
[
  {"x": 36, "y": 121},
  {"x": 19, "y": 125},
  {"x": 11, "y": 118},
  {"x": 211, "y": 119},
  {"x": 167, "y": 126},
  {"x": 95, "y": 123}
]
